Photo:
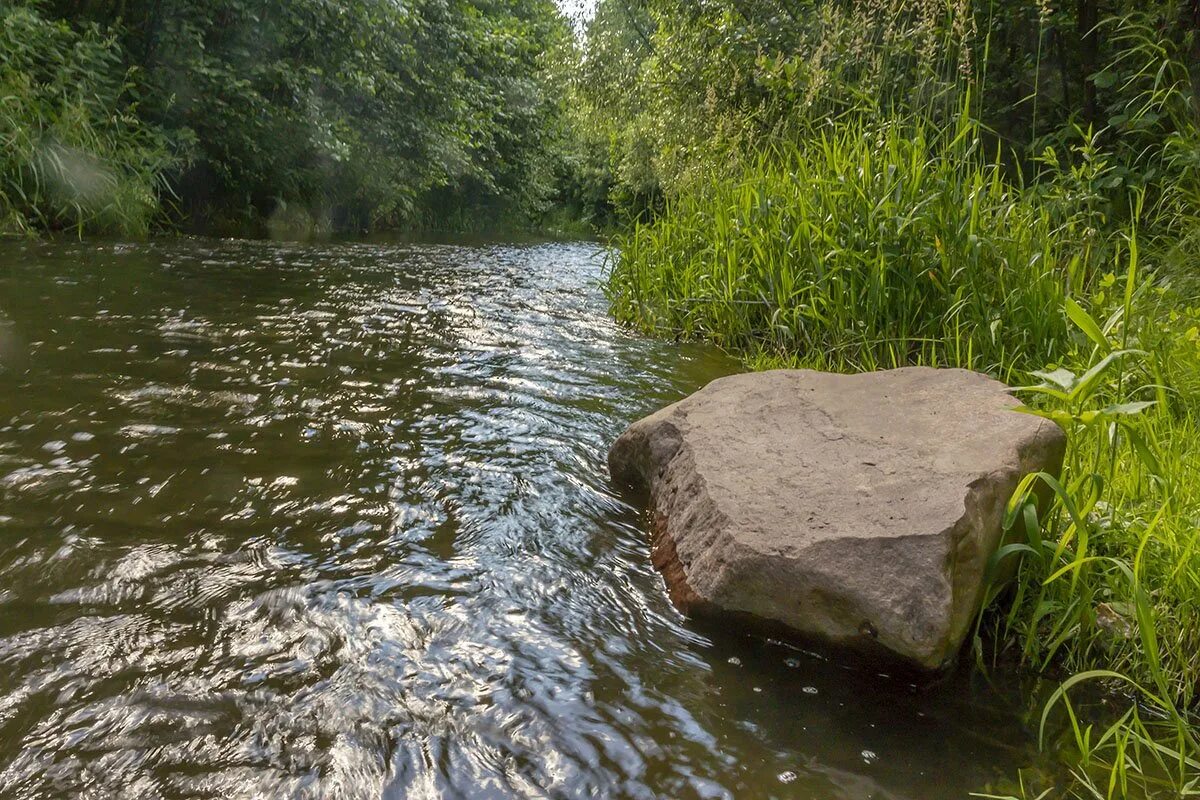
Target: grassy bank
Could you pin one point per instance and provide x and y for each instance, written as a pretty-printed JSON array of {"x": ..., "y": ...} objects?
[{"x": 877, "y": 243}]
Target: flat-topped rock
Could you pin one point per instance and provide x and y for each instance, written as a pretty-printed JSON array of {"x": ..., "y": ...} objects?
[{"x": 857, "y": 509}]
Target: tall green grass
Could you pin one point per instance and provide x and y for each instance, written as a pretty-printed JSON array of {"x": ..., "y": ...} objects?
[
  {"x": 880, "y": 243},
  {"x": 73, "y": 154},
  {"x": 1108, "y": 589},
  {"x": 869, "y": 246}
]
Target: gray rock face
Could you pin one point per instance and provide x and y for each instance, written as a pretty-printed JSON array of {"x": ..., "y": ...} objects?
[{"x": 856, "y": 509}]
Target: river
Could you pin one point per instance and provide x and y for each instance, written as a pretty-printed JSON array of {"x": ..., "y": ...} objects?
[{"x": 333, "y": 521}]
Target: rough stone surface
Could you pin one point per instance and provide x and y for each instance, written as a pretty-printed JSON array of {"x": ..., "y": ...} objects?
[{"x": 855, "y": 509}]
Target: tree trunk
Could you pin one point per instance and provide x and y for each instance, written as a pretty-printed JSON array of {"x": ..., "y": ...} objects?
[
  {"x": 1191, "y": 22},
  {"x": 1087, "y": 16}
]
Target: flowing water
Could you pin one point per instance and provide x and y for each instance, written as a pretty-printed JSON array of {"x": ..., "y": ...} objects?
[{"x": 334, "y": 522}]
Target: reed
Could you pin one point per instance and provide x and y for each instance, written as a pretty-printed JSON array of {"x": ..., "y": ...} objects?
[{"x": 871, "y": 246}]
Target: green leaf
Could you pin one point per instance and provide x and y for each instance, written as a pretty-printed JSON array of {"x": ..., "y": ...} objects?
[
  {"x": 1033, "y": 530},
  {"x": 1062, "y": 378},
  {"x": 1064, "y": 418},
  {"x": 1067, "y": 685},
  {"x": 1144, "y": 452},
  {"x": 1083, "y": 320},
  {"x": 1087, "y": 382},
  {"x": 1128, "y": 409}
]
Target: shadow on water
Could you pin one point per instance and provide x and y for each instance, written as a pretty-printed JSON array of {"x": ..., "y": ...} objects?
[{"x": 334, "y": 521}]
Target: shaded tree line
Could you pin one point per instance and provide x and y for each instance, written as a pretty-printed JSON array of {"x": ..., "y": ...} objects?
[
  {"x": 674, "y": 89},
  {"x": 338, "y": 114}
]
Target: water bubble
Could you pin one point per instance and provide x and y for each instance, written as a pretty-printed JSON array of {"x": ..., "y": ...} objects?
[
  {"x": 82, "y": 436},
  {"x": 54, "y": 447},
  {"x": 869, "y": 756},
  {"x": 737, "y": 662},
  {"x": 810, "y": 690},
  {"x": 787, "y": 777}
]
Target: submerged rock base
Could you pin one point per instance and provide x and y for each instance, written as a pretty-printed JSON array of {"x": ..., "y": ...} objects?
[{"x": 856, "y": 509}]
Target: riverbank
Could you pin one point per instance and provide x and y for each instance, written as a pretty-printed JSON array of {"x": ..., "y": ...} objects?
[
  {"x": 870, "y": 248},
  {"x": 1006, "y": 187}
]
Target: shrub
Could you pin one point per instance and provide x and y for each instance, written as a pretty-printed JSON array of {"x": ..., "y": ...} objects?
[{"x": 73, "y": 153}]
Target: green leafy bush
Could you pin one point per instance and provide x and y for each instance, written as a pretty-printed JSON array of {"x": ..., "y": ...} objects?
[{"x": 73, "y": 152}]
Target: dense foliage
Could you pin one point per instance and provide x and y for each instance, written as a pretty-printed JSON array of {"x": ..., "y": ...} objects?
[
  {"x": 1007, "y": 186},
  {"x": 74, "y": 152},
  {"x": 303, "y": 112},
  {"x": 681, "y": 88}
]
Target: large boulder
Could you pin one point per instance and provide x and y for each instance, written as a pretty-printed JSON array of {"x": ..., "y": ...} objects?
[{"x": 855, "y": 509}]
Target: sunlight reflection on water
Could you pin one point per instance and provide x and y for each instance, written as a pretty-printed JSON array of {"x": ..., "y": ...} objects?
[{"x": 334, "y": 521}]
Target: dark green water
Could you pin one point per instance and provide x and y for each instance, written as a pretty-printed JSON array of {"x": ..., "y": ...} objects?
[{"x": 334, "y": 522}]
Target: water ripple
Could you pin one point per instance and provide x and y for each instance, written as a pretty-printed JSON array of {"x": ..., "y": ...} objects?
[{"x": 285, "y": 521}]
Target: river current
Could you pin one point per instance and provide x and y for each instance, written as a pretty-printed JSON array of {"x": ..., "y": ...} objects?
[{"x": 334, "y": 521}]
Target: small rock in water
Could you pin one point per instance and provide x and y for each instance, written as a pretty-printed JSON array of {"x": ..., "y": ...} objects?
[{"x": 1110, "y": 620}]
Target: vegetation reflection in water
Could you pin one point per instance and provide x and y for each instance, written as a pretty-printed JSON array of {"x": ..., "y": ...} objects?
[{"x": 335, "y": 522}]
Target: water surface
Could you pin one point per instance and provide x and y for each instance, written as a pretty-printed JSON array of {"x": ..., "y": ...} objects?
[{"x": 334, "y": 522}]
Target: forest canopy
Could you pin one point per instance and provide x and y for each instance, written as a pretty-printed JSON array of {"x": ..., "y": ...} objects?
[{"x": 122, "y": 116}]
